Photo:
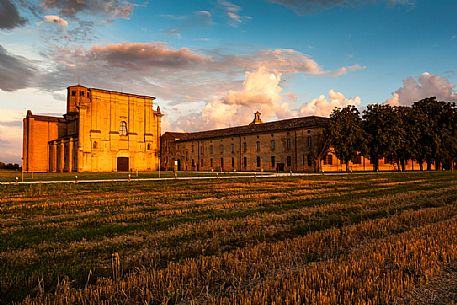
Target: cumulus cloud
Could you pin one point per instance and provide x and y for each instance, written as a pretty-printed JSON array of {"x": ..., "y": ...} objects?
[
  {"x": 311, "y": 6},
  {"x": 57, "y": 20},
  {"x": 70, "y": 8},
  {"x": 16, "y": 72},
  {"x": 261, "y": 91},
  {"x": 9, "y": 16},
  {"x": 426, "y": 86},
  {"x": 323, "y": 106}
]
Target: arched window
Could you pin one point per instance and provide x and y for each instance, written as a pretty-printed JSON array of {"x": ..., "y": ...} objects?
[
  {"x": 94, "y": 146},
  {"x": 123, "y": 128}
]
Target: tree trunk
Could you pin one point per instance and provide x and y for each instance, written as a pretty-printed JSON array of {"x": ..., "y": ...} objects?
[
  {"x": 429, "y": 165},
  {"x": 375, "y": 164},
  {"x": 347, "y": 166},
  {"x": 402, "y": 165}
]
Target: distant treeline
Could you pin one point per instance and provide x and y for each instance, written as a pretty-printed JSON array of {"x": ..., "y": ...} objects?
[
  {"x": 425, "y": 132},
  {"x": 9, "y": 166}
]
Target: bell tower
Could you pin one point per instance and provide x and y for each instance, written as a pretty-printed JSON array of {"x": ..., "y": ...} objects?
[{"x": 77, "y": 95}]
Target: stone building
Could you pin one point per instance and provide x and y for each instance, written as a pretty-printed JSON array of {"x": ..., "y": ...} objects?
[
  {"x": 102, "y": 131},
  {"x": 283, "y": 146}
]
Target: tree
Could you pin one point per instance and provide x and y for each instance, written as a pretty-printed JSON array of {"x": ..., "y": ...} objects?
[
  {"x": 346, "y": 134},
  {"x": 385, "y": 133},
  {"x": 434, "y": 121},
  {"x": 408, "y": 146}
]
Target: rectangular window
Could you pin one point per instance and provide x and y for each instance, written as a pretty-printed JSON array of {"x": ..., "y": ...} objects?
[
  {"x": 222, "y": 163},
  {"x": 273, "y": 145},
  {"x": 81, "y": 93},
  {"x": 258, "y": 161},
  {"x": 288, "y": 144},
  {"x": 233, "y": 148},
  {"x": 310, "y": 141},
  {"x": 245, "y": 162},
  {"x": 328, "y": 160},
  {"x": 73, "y": 93},
  {"x": 233, "y": 162},
  {"x": 258, "y": 145},
  {"x": 289, "y": 161},
  {"x": 193, "y": 163},
  {"x": 211, "y": 149},
  {"x": 273, "y": 161},
  {"x": 245, "y": 146},
  {"x": 211, "y": 162}
]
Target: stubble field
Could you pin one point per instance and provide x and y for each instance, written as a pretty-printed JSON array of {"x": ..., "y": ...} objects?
[{"x": 356, "y": 239}]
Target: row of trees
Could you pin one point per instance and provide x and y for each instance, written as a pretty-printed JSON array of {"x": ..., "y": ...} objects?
[
  {"x": 425, "y": 132},
  {"x": 9, "y": 166}
]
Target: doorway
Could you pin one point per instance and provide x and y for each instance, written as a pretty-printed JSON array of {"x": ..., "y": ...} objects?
[{"x": 122, "y": 164}]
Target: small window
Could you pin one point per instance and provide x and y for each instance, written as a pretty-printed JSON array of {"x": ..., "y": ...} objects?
[
  {"x": 245, "y": 162},
  {"x": 149, "y": 147},
  {"x": 222, "y": 163},
  {"x": 193, "y": 162},
  {"x": 288, "y": 144},
  {"x": 258, "y": 161},
  {"x": 273, "y": 145},
  {"x": 81, "y": 93},
  {"x": 94, "y": 146},
  {"x": 310, "y": 141},
  {"x": 123, "y": 129},
  {"x": 258, "y": 145},
  {"x": 233, "y": 148},
  {"x": 328, "y": 160},
  {"x": 273, "y": 161},
  {"x": 211, "y": 162},
  {"x": 289, "y": 161},
  {"x": 233, "y": 162},
  {"x": 73, "y": 93}
]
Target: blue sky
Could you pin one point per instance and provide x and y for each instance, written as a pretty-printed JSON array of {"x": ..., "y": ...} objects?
[{"x": 212, "y": 64}]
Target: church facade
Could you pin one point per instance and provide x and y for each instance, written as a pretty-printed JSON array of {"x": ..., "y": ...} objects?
[{"x": 102, "y": 131}]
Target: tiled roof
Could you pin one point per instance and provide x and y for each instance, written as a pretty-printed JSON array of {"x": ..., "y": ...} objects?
[{"x": 310, "y": 122}]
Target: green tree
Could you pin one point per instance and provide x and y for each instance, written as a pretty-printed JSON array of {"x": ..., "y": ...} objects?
[
  {"x": 346, "y": 134},
  {"x": 385, "y": 133},
  {"x": 434, "y": 121},
  {"x": 407, "y": 149}
]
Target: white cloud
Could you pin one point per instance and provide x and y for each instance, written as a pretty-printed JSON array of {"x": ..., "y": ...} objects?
[
  {"x": 232, "y": 11},
  {"x": 323, "y": 106},
  {"x": 428, "y": 85},
  {"x": 261, "y": 91},
  {"x": 57, "y": 20}
]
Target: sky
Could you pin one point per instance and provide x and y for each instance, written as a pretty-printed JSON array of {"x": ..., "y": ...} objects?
[{"x": 213, "y": 63}]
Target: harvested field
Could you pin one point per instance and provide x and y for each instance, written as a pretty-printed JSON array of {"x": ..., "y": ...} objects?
[{"x": 355, "y": 239}]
